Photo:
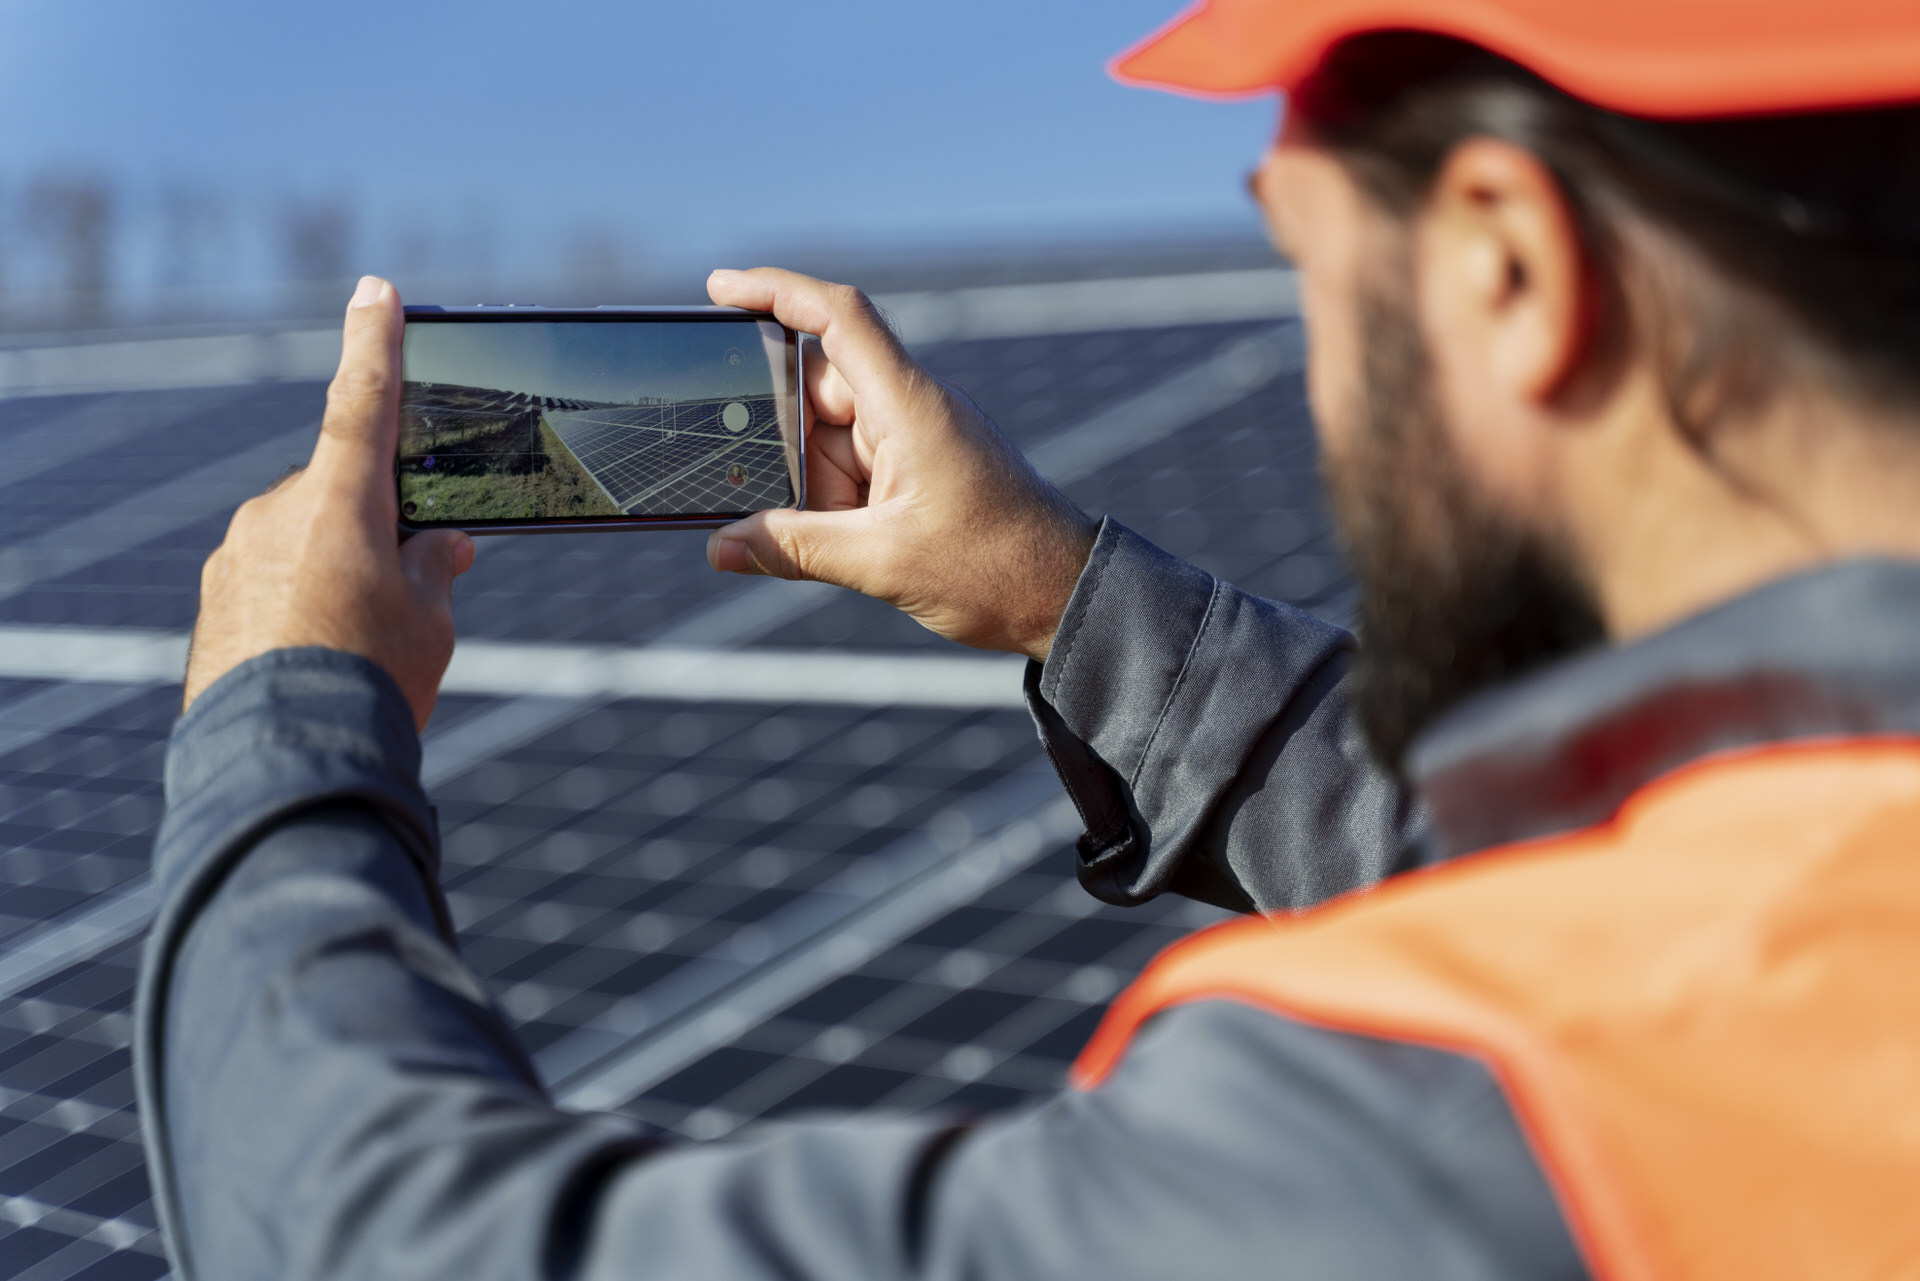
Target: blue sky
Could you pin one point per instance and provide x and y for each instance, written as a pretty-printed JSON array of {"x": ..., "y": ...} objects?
[
  {"x": 663, "y": 132},
  {"x": 601, "y": 360}
]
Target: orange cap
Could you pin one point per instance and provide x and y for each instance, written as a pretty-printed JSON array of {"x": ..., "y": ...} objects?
[{"x": 1667, "y": 58}]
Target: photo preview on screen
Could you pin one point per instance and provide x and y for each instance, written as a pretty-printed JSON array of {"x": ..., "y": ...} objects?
[{"x": 509, "y": 420}]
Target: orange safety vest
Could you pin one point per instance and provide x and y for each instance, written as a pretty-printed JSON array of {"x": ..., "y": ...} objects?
[{"x": 1705, "y": 1011}]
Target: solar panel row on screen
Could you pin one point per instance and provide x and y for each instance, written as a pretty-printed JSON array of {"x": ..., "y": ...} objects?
[{"x": 714, "y": 455}]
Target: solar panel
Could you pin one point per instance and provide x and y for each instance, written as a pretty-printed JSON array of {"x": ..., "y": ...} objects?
[
  {"x": 982, "y": 1008},
  {"x": 681, "y": 457},
  {"x": 701, "y": 913}
]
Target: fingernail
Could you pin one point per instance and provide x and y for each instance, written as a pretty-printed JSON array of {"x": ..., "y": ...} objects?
[
  {"x": 367, "y": 292},
  {"x": 723, "y": 271},
  {"x": 728, "y": 555}
]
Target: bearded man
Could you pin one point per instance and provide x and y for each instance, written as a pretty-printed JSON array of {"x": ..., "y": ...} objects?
[{"x": 1585, "y": 893}]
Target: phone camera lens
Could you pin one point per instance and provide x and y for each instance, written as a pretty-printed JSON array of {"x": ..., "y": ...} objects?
[{"x": 409, "y": 508}]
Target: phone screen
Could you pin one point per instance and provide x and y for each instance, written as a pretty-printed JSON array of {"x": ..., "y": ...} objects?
[{"x": 512, "y": 422}]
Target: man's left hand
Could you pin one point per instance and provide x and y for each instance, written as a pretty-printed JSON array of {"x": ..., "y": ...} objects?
[{"x": 317, "y": 560}]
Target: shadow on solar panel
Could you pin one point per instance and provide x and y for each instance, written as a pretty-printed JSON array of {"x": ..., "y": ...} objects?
[{"x": 477, "y": 453}]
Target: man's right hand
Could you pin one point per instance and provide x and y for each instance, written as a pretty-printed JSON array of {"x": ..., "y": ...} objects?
[{"x": 913, "y": 497}]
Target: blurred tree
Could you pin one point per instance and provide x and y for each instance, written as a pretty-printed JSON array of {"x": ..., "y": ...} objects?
[
  {"x": 596, "y": 268},
  {"x": 317, "y": 240},
  {"x": 74, "y": 214},
  {"x": 195, "y": 240}
]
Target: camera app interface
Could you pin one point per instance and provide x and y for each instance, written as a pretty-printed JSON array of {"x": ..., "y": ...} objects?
[{"x": 542, "y": 420}]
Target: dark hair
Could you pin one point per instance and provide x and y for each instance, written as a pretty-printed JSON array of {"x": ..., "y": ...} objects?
[{"x": 1808, "y": 225}]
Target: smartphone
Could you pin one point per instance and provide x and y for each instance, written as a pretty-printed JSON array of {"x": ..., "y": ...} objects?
[{"x": 518, "y": 419}]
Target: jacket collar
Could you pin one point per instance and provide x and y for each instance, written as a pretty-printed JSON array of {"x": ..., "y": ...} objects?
[{"x": 1831, "y": 652}]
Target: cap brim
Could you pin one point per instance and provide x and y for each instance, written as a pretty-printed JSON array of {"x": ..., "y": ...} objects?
[
  {"x": 1193, "y": 55},
  {"x": 1642, "y": 57}
]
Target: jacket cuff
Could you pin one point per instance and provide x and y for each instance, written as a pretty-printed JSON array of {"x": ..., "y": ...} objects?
[
  {"x": 1161, "y": 682},
  {"x": 283, "y": 732}
]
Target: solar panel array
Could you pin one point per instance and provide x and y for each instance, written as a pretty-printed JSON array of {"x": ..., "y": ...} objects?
[
  {"x": 681, "y": 457},
  {"x": 434, "y": 418},
  {"x": 703, "y": 913},
  {"x": 984, "y": 1008}
]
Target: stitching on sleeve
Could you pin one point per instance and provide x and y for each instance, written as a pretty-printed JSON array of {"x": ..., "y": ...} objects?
[
  {"x": 1098, "y": 567},
  {"x": 1179, "y": 682}
]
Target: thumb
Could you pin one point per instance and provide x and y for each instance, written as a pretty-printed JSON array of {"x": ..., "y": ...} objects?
[
  {"x": 432, "y": 561},
  {"x": 362, "y": 422},
  {"x": 826, "y": 547}
]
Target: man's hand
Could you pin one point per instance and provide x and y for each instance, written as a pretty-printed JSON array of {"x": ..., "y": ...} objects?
[
  {"x": 317, "y": 559},
  {"x": 913, "y": 497}
]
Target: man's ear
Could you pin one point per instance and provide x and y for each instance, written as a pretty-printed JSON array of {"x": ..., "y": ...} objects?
[{"x": 1504, "y": 267}]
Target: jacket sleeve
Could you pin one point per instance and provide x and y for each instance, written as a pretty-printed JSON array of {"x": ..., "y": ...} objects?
[
  {"x": 328, "y": 1092},
  {"x": 1205, "y": 736}
]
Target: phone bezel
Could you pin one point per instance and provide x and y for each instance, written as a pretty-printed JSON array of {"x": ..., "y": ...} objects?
[{"x": 495, "y": 313}]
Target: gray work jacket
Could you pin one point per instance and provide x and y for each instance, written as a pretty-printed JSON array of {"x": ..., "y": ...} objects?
[{"x": 328, "y": 1092}]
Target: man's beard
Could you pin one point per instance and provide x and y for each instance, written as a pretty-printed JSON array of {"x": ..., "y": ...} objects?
[{"x": 1456, "y": 596}]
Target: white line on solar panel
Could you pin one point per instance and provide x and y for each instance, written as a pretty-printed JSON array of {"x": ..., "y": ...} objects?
[
  {"x": 87, "y": 540},
  {"x": 108, "y": 919},
  {"x": 108, "y": 666},
  {"x": 100, "y": 425},
  {"x": 116, "y": 1234}
]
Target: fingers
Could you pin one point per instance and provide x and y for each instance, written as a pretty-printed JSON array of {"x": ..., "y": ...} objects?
[
  {"x": 432, "y": 560},
  {"x": 836, "y": 478},
  {"x": 851, "y": 332},
  {"x": 359, "y": 433},
  {"x": 827, "y": 390},
  {"x": 827, "y": 547},
  {"x": 727, "y": 551}
]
